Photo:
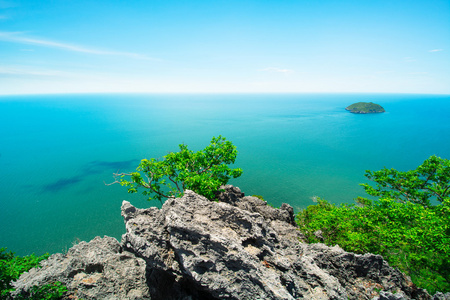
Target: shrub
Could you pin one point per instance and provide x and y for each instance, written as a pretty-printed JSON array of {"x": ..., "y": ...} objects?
[{"x": 203, "y": 172}]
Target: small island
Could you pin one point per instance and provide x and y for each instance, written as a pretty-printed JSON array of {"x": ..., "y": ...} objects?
[{"x": 365, "y": 108}]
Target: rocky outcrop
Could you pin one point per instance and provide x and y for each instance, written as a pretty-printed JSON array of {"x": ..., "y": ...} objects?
[
  {"x": 238, "y": 248},
  {"x": 233, "y": 195},
  {"x": 99, "y": 269}
]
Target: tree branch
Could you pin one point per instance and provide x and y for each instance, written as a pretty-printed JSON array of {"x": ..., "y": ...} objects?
[
  {"x": 115, "y": 177},
  {"x": 155, "y": 191},
  {"x": 176, "y": 183}
]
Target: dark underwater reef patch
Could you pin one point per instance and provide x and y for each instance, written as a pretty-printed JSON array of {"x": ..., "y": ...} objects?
[
  {"x": 90, "y": 168},
  {"x": 98, "y": 166},
  {"x": 62, "y": 184}
]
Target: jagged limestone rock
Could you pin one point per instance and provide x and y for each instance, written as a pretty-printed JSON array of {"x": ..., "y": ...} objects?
[
  {"x": 400, "y": 296},
  {"x": 233, "y": 195},
  {"x": 95, "y": 270},
  {"x": 239, "y": 248},
  {"x": 249, "y": 250}
]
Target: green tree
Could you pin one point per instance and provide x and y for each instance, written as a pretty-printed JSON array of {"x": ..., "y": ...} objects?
[
  {"x": 431, "y": 180},
  {"x": 403, "y": 226},
  {"x": 203, "y": 171}
]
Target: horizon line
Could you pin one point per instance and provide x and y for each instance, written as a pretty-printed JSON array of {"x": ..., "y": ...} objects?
[{"x": 211, "y": 93}]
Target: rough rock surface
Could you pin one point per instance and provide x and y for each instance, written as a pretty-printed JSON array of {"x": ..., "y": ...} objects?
[
  {"x": 233, "y": 195},
  {"x": 95, "y": 270},
  {"x": 401, "y": 296},
  {"x": 239, "y": 248}
]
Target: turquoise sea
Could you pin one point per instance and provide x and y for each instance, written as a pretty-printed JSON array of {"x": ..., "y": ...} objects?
[{"x": 57, "y": 152}]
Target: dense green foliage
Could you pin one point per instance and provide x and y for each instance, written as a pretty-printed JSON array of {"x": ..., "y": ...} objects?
[
  {"x": 12, "y": 266},
  {"x": 403, "y": 226},
  {"x": 365, "y": 108},
  {"x": 429, "y": 181},
  {"x": 203, "y": 171},
  {"x": 51, "y": 291}
]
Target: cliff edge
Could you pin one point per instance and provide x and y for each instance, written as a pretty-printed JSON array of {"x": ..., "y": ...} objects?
[{"x": 238, "y": 248}]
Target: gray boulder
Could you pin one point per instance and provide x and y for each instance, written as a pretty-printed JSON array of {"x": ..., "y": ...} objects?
[
  {"x": 441, "y": 296},
  {"x": 95, "y": 270},
  {"x": 389, "y": 296},
  {"x": 400, "y": 296}
]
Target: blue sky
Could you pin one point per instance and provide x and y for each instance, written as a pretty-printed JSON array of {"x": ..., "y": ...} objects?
[{"x": 67, "y": 46}]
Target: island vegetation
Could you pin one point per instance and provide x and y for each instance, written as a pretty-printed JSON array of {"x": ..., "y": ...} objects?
[{"x": 365, "y": 108}]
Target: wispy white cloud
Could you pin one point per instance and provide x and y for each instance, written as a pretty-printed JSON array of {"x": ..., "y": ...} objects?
[
  {"x": 436, "y": 50},
  {"x": 26, "y": 71},
  {"x": 16, "y": 37},
  {"x": 277, "y": 70}
]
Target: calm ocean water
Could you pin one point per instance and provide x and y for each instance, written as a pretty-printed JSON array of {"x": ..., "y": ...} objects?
[{"x": 56, "y": 152}]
